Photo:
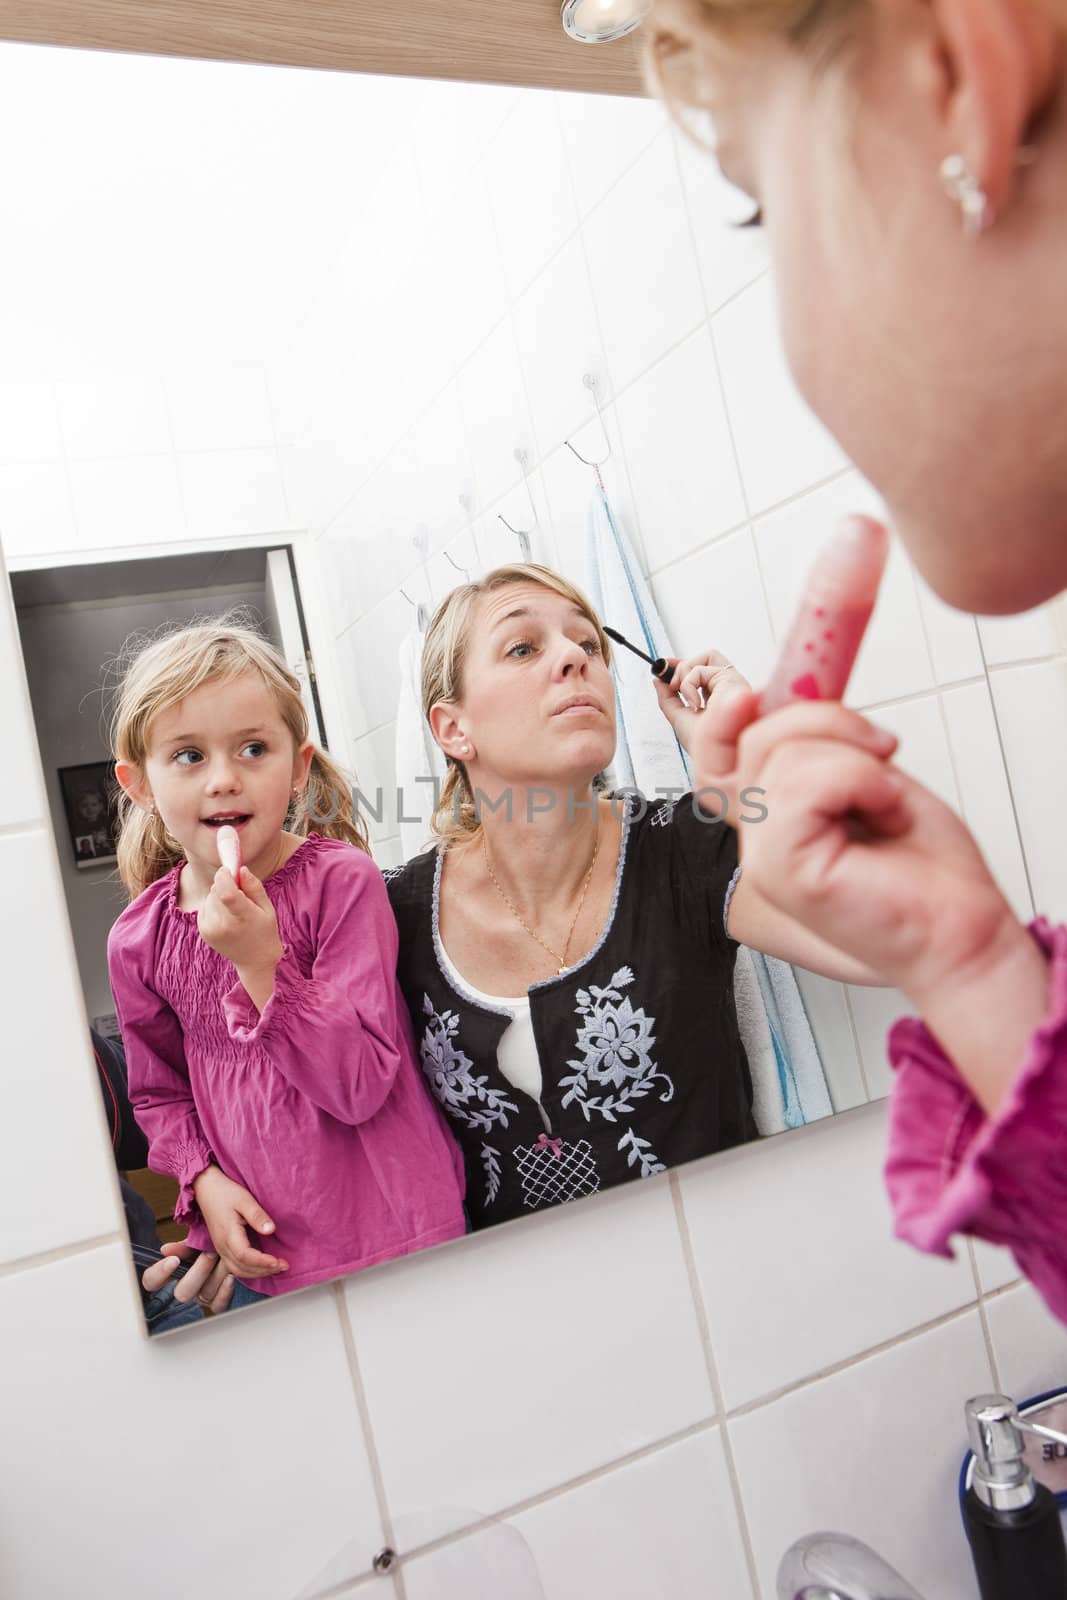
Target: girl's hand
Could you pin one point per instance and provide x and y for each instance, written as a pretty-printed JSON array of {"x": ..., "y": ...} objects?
[
  {"x": 206, "y": 1280},
  {"x": 228, "y": 1211},
  {"x": 855, "y": 849},
  {"x": 239, "y": 922}
]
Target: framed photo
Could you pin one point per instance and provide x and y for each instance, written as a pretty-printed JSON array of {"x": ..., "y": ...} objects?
[{"x": 90, "y": 799}]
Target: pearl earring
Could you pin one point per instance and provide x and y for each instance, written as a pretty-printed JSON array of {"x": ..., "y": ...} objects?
[{"x": 962, "y": 187}]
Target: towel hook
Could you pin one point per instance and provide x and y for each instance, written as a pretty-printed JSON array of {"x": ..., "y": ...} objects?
[
  {"x": 521, "y": 536},
  {"x": 464, "y": 574},
  {"x": 591, "y": 383},
  {"x": 422, "y": 615}
]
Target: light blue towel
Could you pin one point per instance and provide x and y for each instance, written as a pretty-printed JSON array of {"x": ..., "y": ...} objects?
[{"x": 789, "y": 1084}]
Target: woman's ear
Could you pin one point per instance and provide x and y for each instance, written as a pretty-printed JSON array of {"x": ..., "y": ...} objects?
[
  {"x": 444, "y": 720},
  {"x": 132, "y": 780},
  {"x": 1000, "y": 59}
]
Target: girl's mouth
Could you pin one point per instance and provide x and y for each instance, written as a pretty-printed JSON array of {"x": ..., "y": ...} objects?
[{"x": 233, "y": 819}]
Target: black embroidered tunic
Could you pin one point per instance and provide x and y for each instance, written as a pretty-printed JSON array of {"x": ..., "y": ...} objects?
[{"x": 642, "y": 1064}]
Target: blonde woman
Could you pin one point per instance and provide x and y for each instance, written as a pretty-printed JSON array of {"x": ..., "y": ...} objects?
[
  {"x": 567, "y": 957},
  {"x": 268, "y": 1047},
  {"x": 909, "y": 162}
]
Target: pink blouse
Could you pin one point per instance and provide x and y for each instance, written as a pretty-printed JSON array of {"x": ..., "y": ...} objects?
[
  {"x": 317, "y": 1106},
  {"x": 952, "y": 1168}
]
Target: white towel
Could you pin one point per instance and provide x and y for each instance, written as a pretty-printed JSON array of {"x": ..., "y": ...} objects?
[
  {"x": 417, "y": 752},
  {"x": 788, "y": 1081}
]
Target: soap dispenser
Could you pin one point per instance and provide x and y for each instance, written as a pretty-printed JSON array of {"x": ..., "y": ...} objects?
[{"x": 1012, "y": 1522}]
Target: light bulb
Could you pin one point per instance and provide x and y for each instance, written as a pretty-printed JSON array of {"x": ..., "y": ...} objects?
[{"x": 600, "y": 21}]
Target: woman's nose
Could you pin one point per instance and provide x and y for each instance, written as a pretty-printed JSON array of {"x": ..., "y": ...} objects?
[{"x": 573, "y": 658}]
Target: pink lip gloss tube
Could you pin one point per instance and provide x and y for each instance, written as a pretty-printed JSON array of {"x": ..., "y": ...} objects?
[
  {"x": 821, "y": 646},
  {"x": 228, "y": 843}
]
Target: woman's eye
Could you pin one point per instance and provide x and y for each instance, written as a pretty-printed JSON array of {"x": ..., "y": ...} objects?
[
  {"x": 519, "y": 650},
  {"x": 591, "y": 647},
  {"x": 179, "y": 757}
]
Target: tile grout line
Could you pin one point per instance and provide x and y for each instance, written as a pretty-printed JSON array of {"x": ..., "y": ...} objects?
[
  {"x": 704, "y": 1330},
  {"x": 987, "y": 1333},
  {"x": 47, "y": 1258},
  {"x": 359, "y": 1389},
  {"x": 557, "y": 1491}
]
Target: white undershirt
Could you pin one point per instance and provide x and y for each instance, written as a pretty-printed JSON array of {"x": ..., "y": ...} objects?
[{"x": 516, "y": 1054}]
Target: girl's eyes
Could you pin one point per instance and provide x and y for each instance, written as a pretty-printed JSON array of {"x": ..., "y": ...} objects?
[{"x": 255, "y": 747}]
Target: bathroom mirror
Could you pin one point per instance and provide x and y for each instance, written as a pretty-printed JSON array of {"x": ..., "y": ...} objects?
[{"x": 335, "y": 344}]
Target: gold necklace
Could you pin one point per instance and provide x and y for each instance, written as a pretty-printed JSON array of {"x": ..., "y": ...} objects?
[{"x": 555, "y": 954}]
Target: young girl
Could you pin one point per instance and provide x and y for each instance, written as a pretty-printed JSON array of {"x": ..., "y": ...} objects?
[{"x": 269, "y": 1048}]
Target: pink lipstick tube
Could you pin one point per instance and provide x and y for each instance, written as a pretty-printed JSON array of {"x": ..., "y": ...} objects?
[{"x": 822, "y": 645}]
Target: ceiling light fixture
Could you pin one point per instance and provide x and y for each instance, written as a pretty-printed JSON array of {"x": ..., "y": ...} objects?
[{"x": 600, "y": 21}]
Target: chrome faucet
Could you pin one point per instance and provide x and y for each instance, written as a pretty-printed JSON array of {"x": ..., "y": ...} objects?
[{"x": 831, "y": 1566}]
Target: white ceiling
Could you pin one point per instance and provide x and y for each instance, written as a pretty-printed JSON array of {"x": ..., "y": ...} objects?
[{"x": 161, "y": 212}]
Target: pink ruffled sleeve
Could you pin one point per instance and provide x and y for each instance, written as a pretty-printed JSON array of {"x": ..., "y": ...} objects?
[{"x": 951, "y": 1168}]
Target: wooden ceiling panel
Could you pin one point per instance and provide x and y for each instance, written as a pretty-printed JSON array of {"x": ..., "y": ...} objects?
[{"x": 488, "y": 41}]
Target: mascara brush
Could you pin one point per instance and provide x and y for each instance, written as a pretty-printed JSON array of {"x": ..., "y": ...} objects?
[{"x": 661, "y": 667}]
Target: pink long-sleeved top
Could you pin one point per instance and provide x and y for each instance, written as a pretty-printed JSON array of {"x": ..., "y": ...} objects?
[
  {"x": 317, "y": 1106},
  {"x": 952, "y": 1168}
]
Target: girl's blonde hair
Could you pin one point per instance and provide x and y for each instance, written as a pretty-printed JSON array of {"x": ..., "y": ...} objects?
[
  {"x": 159, "y": 672},
  {"x": 673, "y": 68},
  {"x": 444, "y": 656}
]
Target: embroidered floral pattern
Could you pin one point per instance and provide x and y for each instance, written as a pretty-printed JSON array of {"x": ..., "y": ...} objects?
[
  {"x": 616, "y": 1045},
  {"x": 639, "y": 1151},
  {"x": 451, "y": 1075},
  {"x": 491, "y": 1164}
]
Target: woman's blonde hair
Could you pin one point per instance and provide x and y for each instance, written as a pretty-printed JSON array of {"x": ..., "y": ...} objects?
[
  {"x": 444, "y": 656},
  {"x": 160, "y": 671}
]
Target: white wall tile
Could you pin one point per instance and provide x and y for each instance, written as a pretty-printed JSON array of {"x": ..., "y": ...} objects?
[
  {"x": 894, "y": 659},
  {"x": 559, "y": 342},
  {"x": 952, "y": 636},
  {"x": 29, "y": 422},
  {"x": 923, "y": 751},
  {"x": 983, "y": 787},
  {"x": 229, "y": 493},
  {"x": 873, "y": 1013},
  {"x": 715, "y": 598},
  {"x": 782, "y": 447},
  {"x": 84, "y": 1389},
  {"x": 1027, "y": 637},
  {"x": 874, "y": 1452},
  {"x": 445, "y": 469},
  {"x": 219, "y": 408},
  {"x": 374, "y": 644},
  {"x": 995, "y": 1266},
  {"x": 59, "y": 1188},
  {"x": 730, "y": 257},
  {"x": 828, "y": 1014},
  {"x": 114, "y": 416},
  {"x": 604, "y": 135},
  {"x": 376, "y": 779},
  {"x": 530, "y": 188},
  {"x": 496, "y": 413},
  {"x": 462, "y": 243},
  {"x": 543, "y": 1334},
  {"x": 22, "y": 796},
  {"x": 677, "y": 445},
  {"x": 119, "y": 502},
  {"x": 659, "y": 1529},
  {"x": 1031, "y": 707},
  {"x": 797, "y": 1266},
  {"x": 645, "y": 281},
  {"x": 36, "y": 517},
  {"x": 1029, "y": 1343}
]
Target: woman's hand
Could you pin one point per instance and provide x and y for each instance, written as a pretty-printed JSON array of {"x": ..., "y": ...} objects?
[
  {"x": 228, "y": 1210},
  {"x": 206, "y": 1280},
  {"x": 698, "y": 681},
  {"x": 239, "y": 922}
]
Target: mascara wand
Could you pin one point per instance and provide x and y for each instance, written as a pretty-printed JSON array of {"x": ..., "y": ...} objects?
[{"x": 661, "y": 668}]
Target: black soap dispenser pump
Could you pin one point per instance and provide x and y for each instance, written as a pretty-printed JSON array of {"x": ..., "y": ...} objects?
[{"x": 1013, "y": 1522}]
